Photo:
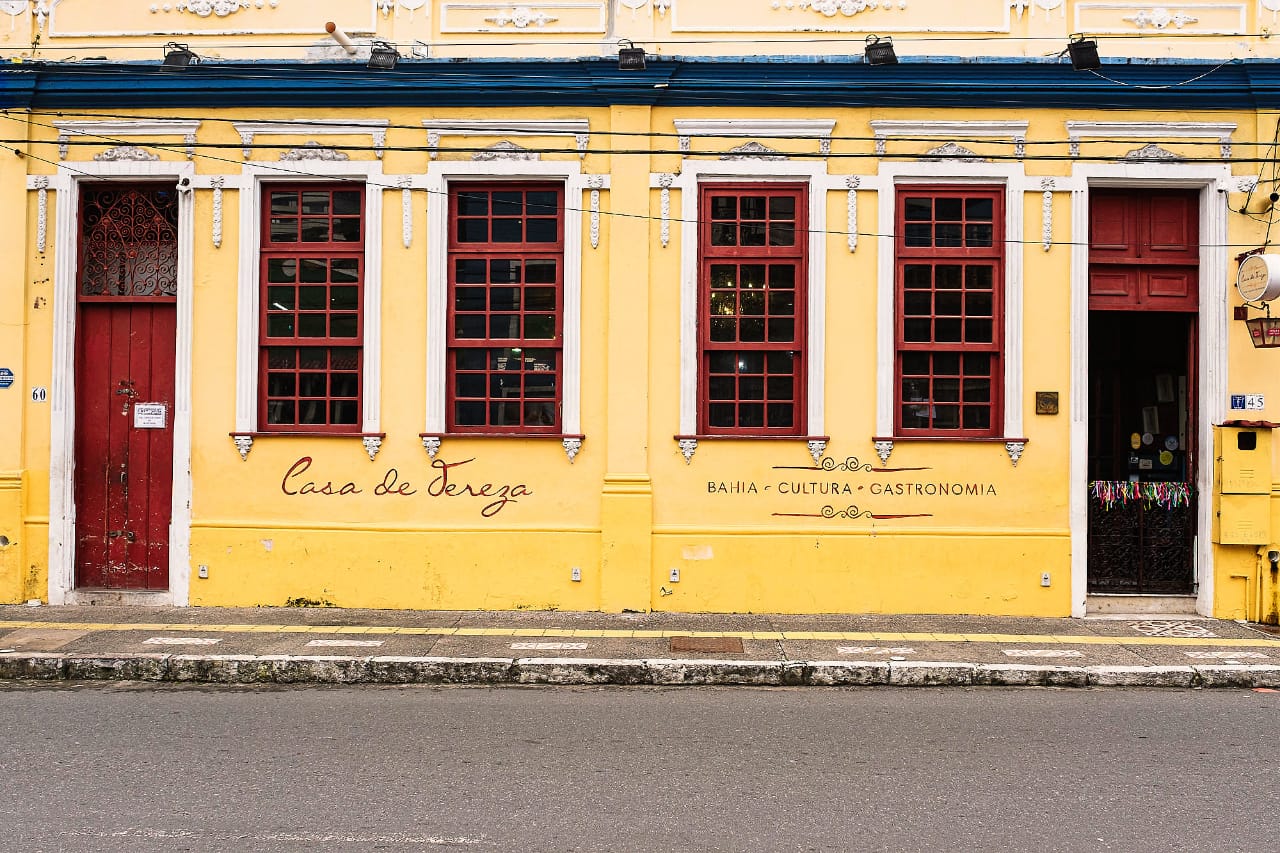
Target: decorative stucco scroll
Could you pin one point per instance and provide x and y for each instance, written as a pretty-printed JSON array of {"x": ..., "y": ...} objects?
[
  {"x": 406, "y": 211},
  {"x": 1021, "y": 6},
  {"x": 817, "y": 447},
  {"x": 832, "y": 8},
  {"x": 125, "y": 152},
  {"x": 522, "y": 17},
  {"x": 687, "y": 448},
  {"x": 314, "y": 151},
  {"x": 505, "y": 150},
  {"x": 372, "y": 444},
  {"x": 753, "y": 151},
  {"x": 1160, "y": 18},
  {"x": 571, "y": 448},
  {"x": 1151, "y": 151}
]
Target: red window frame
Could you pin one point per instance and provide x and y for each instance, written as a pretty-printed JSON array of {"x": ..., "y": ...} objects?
[
  {"x": 311, "y": 309},
  {"x": 751, "y": 371},
  {"x": 505, "y": 373},
  {"x": 949, "y": 319}
]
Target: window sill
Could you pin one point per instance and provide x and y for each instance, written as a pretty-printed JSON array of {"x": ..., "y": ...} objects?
[
  {"x": 244, "y": 440},
  {"x": 571, "y": 442},
  {"x": 1013, "y": 446},
  {"x": 817, "y": 444}
]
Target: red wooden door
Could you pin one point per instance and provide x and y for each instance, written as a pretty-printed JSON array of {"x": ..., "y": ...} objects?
[
  {"x": 124, "y": 459},
  {"x": 125, "y": 342},
  {"x": 1144, "y": 250}
]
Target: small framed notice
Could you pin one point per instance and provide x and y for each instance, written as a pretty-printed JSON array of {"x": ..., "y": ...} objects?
[{"x": 150, "y": 415}]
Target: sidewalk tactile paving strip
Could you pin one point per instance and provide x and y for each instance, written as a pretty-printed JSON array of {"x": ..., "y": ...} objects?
[
  {"x": 342, "y": 644},
  {"x": 1164, "y": 628},
  {"x": 876, "y": 650},
  {"x": 1044, "y": 653},
  {"x": 181, "y": 641},
  {"x": 547, "y": 647}
]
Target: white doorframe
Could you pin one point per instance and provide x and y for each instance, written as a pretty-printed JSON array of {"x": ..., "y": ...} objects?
[
  {"x": 62, "y": 391},
  {"x": 1213, "y": 182}
]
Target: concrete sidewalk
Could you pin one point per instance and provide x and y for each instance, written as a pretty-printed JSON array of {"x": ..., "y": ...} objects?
[{"x": 336, "y": 646}]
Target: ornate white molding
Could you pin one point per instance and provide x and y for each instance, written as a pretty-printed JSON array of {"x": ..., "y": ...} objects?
[
  {"x": 1151, "y": 130},
  {"x": 753, "y": 151},
  {"x": 1021, "y": 6},
  {"x": 756, "y": 129},
  {"x": 1244, "y": 183},
  {"x": 411, "y": 6},
  {"x": 595, "y": 183},
  {"x": 687, "y": 447},
  {"x": 832, "y": 8},
  {"x": 1013, "y": 131},
  {"x": 314, "y": 151},
  {"x": 42, "y": 213},
  {"x": 505, "y": 150},
  {"x": 665, "y": 180},
  {"x": 1014, "y": 449},
  {"x": 244, "y": 443},
  {"x": 522, "y": 17},
  {"x": 110, "y": 131},
  {"x": 217, "y": 184},
  {"x": 578, "y": 128},
  {"x": 431, "y": 443},
  {"x": 372, "y": 444},
  {"x": 571, "y": 448},
  {"x": 884, "y": 448},
  {"x": 406, "y": 211},
  {"x": 817, "y": 447},
  {"x": 375, "y": 129},
  {"x": 852, "y": 182},
  {"x": 1160, "y": 18},
  {"x": 1046, "y": 212},
  {"x": 1151, "y": 151},
  {"x": 206, "y": 8},
  {"x": 126, "y": 152}
]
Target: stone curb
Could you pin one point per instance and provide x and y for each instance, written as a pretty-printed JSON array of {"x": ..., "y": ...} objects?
[{"x": 340, "y": 669}]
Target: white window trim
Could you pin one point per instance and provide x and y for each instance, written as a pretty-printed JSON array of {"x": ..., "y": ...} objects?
[
  {"x": 1013, "y": 178},
  {"x": 440, "y": 175},
  {"x": 254, "y": 177},
  {"x": 1214, "y": 182},
  {"x": 697, "y": 172},
  {"x": 375, "y": 129},
  {"x": 108, "y": 132},
  {"x": 1158, "y": 131},
  {"x": 578, "y": 128},
  {"x": 62, "y": 393}
]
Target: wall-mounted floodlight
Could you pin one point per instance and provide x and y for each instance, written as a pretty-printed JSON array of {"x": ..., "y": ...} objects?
[
  {"x": 177, "y": 57},
  {"x": 879, "y": 51},
  {"x": 382, "y": 56},
  {"x": 1084, "y": 53},
  {"x": 630, "y": 57},
  {"x": 340, "y": 37}
]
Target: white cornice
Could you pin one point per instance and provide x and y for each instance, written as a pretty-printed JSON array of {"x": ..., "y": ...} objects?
[
  {"x": 374, "y": 128},
  {"x": 755, "y": 128},
  {"x": 1151, "y": 131},
  {"x": 886, "y": 129},
  {"x": 109, "y": 131},
  {"x": 578, "y": 128}
]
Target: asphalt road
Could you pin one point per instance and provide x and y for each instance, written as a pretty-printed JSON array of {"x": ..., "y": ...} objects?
[{"x": 141, "y": 768}]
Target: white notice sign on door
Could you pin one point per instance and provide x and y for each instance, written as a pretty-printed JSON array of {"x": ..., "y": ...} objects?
[{"x": 150, "y": 415}]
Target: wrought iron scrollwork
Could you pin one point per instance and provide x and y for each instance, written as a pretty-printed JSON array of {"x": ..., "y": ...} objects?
[{"x": 129, "y": 241}]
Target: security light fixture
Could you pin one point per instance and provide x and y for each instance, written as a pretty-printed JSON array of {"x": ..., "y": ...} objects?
[
  {"x": 382, "y": 56},
  {"x": 879, "y": 51},
  {"x": 177, "y": 57},
  {"x": 630, "y": 57},
  {"x": 1084, "y": 53}
]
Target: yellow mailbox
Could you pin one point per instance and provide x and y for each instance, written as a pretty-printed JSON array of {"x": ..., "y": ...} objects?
[{"x": 1244, "y": 507}]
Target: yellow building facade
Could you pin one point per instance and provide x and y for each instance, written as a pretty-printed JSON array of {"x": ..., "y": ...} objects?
[{"x": 760, "y": 325}]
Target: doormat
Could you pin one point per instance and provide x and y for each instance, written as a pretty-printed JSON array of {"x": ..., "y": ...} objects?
[{"x": 706, "y": 644}]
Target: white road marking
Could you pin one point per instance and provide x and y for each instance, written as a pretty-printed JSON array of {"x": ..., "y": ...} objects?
[
  {"x": 182, "y": 641},
  {"x": 1044, "y": 653},
  {"x": 546, "y": 647},
  {"x": 1166, "y": 628},
  {"x": 876, "y": 650},
  {"x": 346, "y": 643},
  {"x": 1224, "y": 655}
]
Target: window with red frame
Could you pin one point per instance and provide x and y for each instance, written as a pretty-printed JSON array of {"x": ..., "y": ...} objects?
[
  {"x": 311, "y": 326},
  {"x": 752, "y": 309},
  {"x": 506, "y": 300},
  {"x": 950, "y": 262}
]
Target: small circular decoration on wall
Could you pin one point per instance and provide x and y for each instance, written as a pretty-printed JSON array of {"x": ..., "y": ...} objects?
[
  {"x": 1147, "y": 438},
  {"x": 1171, "y": 442}
]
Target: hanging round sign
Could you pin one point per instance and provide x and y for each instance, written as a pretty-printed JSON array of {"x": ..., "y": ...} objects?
[{"x": 1259, "y": 278}]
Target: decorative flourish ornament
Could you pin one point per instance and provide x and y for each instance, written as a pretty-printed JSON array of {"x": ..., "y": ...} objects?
[
  {"x": 220, "y": 8},
  {"x": 42, "y": 213},
  {"x": 753, "y": 151},
  {"x": 522, "y": 17},
  {"x": 1151, "y": 151},
  {"x": 313, "y": 151},
  {"x": 244, "y": 443},
  {"x": 1161, "y": 18},
  {"x": 1021, "y": 6},
  {"x": 883, "y": 449},
  {"x": 505, "y": 150},
  {"x": 125, "y": 152},
  {"x": 853, "y": 182},
  {"x": 571, "y": 448},
  {"x": 406, "y": 211},
  {"x": 431, "y": 443},
  {"x": 1014, "y": 449},
  {"x": 665, "y": 180},
  {"x": 13, "y": 8},
  {"x": 1046, "y": 213},
  {"x": 832, "y": 8},
  {"x": 952, "y": 151},
  {"x": 817, "y": 447},
  {"x": 372, "y": 444},
  {"x": 687, "y": 447},
  {"x": 595, "y": 182}
]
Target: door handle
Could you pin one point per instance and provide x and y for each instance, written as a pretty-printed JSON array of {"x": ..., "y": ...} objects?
[{"x": 127, "y": 534}]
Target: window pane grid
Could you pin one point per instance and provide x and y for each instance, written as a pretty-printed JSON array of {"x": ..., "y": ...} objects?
[
  {"x": 506, "y": 291},
  {"x": 950, "y": 312},
  {"x": 311, "y": 322},
  {"x": 751, "y": 328}
]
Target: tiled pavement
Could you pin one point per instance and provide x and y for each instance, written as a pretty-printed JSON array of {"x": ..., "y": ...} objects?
[{"x": 299, "y": 645}]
